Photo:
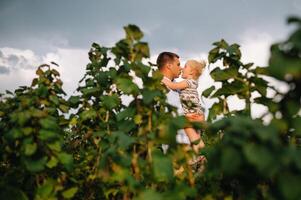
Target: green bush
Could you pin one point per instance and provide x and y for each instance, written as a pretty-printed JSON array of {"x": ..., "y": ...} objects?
[
  {"x": 253, "y": 160},
  {"x": 93, "y": 146}
]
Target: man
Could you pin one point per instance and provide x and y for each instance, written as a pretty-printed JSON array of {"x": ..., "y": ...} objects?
[{"x": 169, "y": 65}]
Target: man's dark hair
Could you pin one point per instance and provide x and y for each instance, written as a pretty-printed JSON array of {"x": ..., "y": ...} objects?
[{"x": 165, "y": 57}]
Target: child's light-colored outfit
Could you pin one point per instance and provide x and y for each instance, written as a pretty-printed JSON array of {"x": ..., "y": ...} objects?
[{"x": 190, "y": 98}]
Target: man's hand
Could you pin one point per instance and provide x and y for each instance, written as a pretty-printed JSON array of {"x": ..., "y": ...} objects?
[{"x": 193, "y": 117}]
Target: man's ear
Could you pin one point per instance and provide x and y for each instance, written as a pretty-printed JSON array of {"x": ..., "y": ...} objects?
[{"x": 168, "y": 66}]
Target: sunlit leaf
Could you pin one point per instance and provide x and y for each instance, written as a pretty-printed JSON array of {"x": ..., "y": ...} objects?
[{"x": 68, "y": 194}]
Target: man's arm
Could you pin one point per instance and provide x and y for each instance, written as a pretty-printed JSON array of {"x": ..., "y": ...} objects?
[{"x": 193, "y": 117}]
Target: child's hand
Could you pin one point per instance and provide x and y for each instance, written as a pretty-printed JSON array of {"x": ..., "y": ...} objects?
[{"x": 166, "y": 82}]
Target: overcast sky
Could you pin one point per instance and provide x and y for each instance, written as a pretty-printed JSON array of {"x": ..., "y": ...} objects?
[{"x": 37, "y": 31}]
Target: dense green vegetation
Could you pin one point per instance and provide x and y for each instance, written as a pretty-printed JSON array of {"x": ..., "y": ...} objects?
[{"x": 92, "y": 146}]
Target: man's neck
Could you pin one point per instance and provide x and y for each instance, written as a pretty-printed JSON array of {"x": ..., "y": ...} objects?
[{"x": 167, "y": 74}]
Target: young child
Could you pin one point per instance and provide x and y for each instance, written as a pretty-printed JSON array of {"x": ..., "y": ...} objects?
[{"x": 189, "y": 97}]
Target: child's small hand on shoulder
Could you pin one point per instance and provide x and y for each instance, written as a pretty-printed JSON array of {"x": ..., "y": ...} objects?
[{"x": 165, "y": 81}]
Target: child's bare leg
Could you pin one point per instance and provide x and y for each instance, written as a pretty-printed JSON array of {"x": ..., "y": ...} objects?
[{"x": 194, "y": 137}]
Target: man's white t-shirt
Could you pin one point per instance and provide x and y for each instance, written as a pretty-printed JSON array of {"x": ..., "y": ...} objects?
[{"x": 173, "y": 99}]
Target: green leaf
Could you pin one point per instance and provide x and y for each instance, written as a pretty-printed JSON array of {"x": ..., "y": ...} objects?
[
  {"x": 74, "y": 101},
  {"x": 45, "y": 191},
  {"x": 248, "y": 65},
  {"x": 12, "y": 193},
  {"x": 47, "y": 134},
  {"x": 68, "y": 194},
  {"x": 112, "y": 73},
  {"x": 90, "y": 91},
  {"x": 213, "y": 54},
  {"x": 261, "y": 70},
  {"x": 141, "y": 51},
  {"x": 128, "y": 112},
  {"x": 66, "y": 160},
  {"x": 231, "y": 89},
  {"x": 206, "y": 93},
  {"x": 292, "y": 107},
  {"x": 133, "y": 32},
  {"x": 162, "y": 166},
  {"x": 38, "y": 113},
  {"x": 294, "y": 19},
  {"x": 35, "y": 165},
  {"x": 289, "y": 185},
  {"x": 234, "y": 51},
  {"x": 14, "y": 134},
  {"x": 279, "y": 59},
  {"x": 260, "y": 157},
  {"x": 103, "y": 78},
  {"x": 54, "y": 99},
  {"x": 123, "y": 140},
  {"x": 42, "y": 91},
  {"x": 88, "y": 114},
  {"x": 9, "y": 92},
  {"x": 30, "y": 149},
  {"x": 122, "y": 49},
  {"x": 52, "y": 162},
  {"x": 178, "y": 122},
  {"x": 127, "y": 86},
  {"x": 297, "y": 125},
  {"x": 231, "y": 160},
  {"x": 149, "y": 95},
  {"x": 21, "y": 117},
  {"x": 221, "y": 44},
  {"x": 141, "y": 70},
  {"x": 126, "y": 125},
  {"x": 260, "y": 85},
  {"x": 110, "y": 102},
  {"x": 27, "y": 130},
  {"x": 216, "y": 109},
  {"x": 224, "y": 74},
  {"x": 55, "y": 146},
  {"x": 273, "y": 106},
  {"x": 64, "y": 108},
  {"x": 89, "y": 82},
  {"x": 49, "y": 123},
  {"x": 149, "y": 195}
]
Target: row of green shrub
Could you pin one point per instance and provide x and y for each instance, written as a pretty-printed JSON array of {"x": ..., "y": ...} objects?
[{"x": 92, "y": 146}]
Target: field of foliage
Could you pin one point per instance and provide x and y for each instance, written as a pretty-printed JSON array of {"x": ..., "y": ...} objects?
[{"x": 91, "y": 146}]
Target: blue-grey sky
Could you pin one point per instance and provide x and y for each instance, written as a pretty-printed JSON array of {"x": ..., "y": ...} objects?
[
  {"x": 37, "y": 31},
  {"x": 191, "y": 25}
]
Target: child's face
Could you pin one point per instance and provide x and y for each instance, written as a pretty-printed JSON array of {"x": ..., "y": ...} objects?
[{"x": 187, "y": 72}]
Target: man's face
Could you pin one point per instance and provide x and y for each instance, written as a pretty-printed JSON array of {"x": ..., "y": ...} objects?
[{"x": 175, "y": 68}]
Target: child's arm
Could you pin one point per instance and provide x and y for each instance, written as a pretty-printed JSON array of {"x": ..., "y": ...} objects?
[{"x": 175, "y": 86}]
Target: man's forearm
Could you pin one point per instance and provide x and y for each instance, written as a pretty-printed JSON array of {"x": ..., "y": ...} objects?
[{"x": 195, "y": 117}]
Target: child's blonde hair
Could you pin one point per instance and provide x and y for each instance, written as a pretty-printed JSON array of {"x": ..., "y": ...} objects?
[{"x": 197, "y": 66}]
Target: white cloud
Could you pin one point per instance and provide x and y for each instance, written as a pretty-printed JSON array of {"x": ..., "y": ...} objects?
[
  {"x": 15, "y": 59},
  {"x": 20, "y": 68},
  {"x": 72, "y": 67},
  {"x": 255, "y": 47}
]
